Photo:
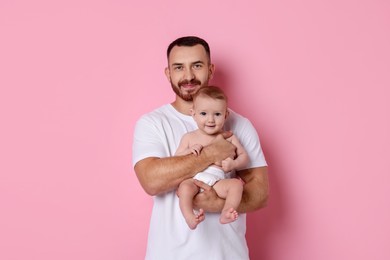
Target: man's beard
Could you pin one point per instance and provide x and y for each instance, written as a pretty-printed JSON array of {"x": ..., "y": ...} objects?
[{"x": 187, "y": 96}]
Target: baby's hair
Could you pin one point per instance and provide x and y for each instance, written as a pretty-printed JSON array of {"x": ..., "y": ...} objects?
[{"x": 212, "y": 92}]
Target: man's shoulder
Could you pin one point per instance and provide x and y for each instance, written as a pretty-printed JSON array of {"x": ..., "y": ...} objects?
[
  {"x": 160, "y": 110},
  {"x": 236, "y": 118},
  {"x": 156, "y": 114}
]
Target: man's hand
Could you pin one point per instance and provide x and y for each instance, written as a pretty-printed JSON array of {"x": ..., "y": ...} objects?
[
  {"x": 208, "y": 198},
  {"x": 220, "y": 148}
]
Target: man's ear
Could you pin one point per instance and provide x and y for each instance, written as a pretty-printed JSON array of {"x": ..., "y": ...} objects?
[
  {"x": 211, "y": 71},
  {"x": 168, "y": 74}
]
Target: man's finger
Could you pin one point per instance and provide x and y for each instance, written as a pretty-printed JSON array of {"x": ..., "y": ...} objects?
[{"x": 202, "y": 185}]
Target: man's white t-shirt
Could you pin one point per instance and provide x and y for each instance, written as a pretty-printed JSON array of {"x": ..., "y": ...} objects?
[{"x": 158, "y": 134}]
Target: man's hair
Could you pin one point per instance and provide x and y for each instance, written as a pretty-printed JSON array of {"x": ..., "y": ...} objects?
[
  {"x": 189, "y": 41},
  {"x": 213, "y": 92}
]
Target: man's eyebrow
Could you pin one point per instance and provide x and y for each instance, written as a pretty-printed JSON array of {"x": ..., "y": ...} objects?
[{"x": 181, "y": 64}]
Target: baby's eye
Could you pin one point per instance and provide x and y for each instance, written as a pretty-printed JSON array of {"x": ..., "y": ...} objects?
[
  {"x": 202, "y": 113},
  {"x": 218, "y": 114}
]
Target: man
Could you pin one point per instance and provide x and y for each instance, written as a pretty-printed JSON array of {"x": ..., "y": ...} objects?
[{"x": 156, "y": 138}]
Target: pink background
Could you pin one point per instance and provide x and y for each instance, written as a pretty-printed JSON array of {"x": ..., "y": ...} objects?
[{"x": 313, "y": 76}]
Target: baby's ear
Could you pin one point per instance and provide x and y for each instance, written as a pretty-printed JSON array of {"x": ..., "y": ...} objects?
[
  {"x": 227, "y": 113},
  {"x": 192, "y": 112}
]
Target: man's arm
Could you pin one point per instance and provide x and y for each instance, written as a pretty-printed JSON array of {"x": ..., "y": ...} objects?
[
  {"x": 159, "y": 175},
  {"x": 256, "y": 189},
  {"x": 255, "y": 194}
]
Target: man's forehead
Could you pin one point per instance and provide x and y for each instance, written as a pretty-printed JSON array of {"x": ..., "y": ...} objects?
[{"x": 184, "y": 54}]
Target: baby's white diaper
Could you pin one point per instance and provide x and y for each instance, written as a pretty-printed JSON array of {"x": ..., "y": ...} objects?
[{"x": 210, "y": 175}]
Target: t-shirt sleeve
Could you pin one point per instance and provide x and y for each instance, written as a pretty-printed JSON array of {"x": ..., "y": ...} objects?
[
  {"x": 249, "y": 139},
  {"x": 147, "y": 141}
]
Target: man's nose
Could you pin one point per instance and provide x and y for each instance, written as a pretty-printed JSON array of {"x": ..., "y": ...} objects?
[{"x": 189, "y": 75}]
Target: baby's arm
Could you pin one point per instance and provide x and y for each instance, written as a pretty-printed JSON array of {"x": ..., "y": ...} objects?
[
  {"x": 241, "y": 159},
  {"x": 184, "y": 146}
]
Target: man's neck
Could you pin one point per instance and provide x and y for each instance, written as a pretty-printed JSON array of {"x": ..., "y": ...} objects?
[{"x": 182, "y": 106}]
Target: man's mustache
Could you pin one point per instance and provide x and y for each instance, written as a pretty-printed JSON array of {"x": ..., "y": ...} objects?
[{"x": 192, "y": 82}]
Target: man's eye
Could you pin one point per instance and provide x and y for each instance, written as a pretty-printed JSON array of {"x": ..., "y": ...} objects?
[
  {"x": 178, "y": 68},
  {"x": 198, "y": 66}
]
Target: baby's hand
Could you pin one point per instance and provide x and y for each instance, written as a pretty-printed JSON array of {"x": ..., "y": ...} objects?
[
  {"x": 196, "y": 148},
  {"x": 228, "y": 164}
]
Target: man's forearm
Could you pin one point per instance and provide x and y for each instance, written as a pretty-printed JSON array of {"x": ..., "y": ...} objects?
[
  {"x": 255, "y": 194},
  {"x": 256, "y": 188},
  {"x": 159, "y": 175}
]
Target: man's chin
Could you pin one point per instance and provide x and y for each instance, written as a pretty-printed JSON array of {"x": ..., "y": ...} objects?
[
  {"x": 186, "y": 97},
  {"x": 187, "y": 94}
]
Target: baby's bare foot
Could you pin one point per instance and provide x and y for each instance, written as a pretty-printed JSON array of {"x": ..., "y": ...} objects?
[
  {"x": 228, "y": 215},
  {"x": 195, "y": 219}
]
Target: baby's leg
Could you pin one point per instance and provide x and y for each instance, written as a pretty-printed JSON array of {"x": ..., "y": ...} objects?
[
  {"x": 186, "y": 192},
  {"x": 231, "y": 191}
]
